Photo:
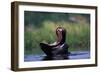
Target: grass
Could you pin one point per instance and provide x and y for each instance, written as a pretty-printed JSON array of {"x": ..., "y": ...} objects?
[{"x": 78, "y": 36}]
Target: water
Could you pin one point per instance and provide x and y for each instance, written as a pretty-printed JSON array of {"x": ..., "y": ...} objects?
[{"x": 73, "y": 55}]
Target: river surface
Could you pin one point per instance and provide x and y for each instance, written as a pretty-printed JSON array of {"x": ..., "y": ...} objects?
[{"x": 72, "y": 55}]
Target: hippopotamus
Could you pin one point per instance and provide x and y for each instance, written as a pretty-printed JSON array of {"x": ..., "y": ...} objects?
[{"x": 59, "y": 49}]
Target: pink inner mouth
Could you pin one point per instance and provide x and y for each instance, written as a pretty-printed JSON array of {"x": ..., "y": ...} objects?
[{"x": 59, "y": 35}]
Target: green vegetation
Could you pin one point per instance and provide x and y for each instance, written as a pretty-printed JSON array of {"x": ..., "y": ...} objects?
[{"x": 42, "y": 29}]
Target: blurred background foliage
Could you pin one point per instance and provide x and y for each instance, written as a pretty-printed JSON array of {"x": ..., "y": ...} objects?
[{"x": 41, "y": 26}]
